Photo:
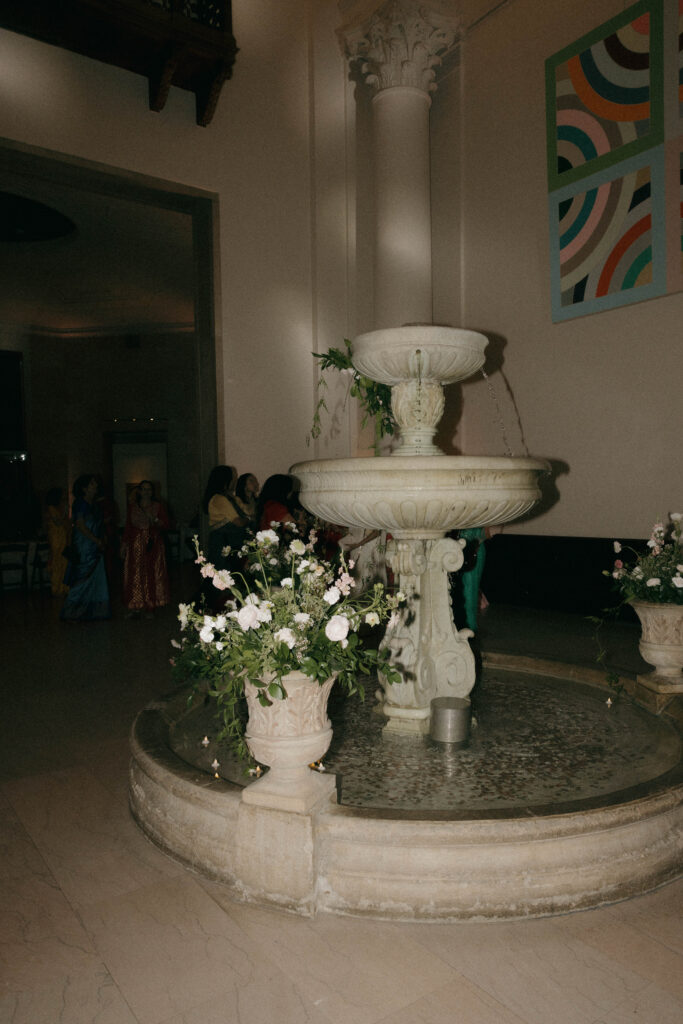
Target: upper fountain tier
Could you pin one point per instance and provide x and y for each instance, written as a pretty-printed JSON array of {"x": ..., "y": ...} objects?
[
  {"x": 416, "y": 361},
  {"x": 439, "y": 355},
  {"x": 414, "y": 495}
]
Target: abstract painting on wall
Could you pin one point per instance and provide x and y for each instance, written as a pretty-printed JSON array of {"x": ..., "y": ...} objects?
[{"x": 613, "y": 102}]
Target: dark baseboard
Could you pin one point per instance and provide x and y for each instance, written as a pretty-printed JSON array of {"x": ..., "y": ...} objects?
[{"x": 558, "y": 573}]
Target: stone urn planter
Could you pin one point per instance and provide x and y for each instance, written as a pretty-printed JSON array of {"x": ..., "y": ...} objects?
[
  {"x": 288, "y": 736},
  {"x": 661, "y": 645}
]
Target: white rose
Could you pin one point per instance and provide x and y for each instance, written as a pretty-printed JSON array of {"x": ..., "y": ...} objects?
[
  {"x": 337, "y": 628},
  {"x": 285, "y": 636},
  {"x": 264, "y": 613},
  {"x": 248, "y": 617},
  {"x": 220, "y": 622},
  {"x": 297, "y": 547},
  {"x": 206, "y": 634},
  {"x": 332, "y": 596},
  {"x": 372, "y": 619},
  {"x": 677, "y": 582},
  {"x": 267, "y": 537},
  {"x": 676, "y": 517},
  {"x": 654, "y": 581},
  {"x": 287, "y": 582},
  {"x": 301, "y": 618},
  {"x": 219, "y": 645}
]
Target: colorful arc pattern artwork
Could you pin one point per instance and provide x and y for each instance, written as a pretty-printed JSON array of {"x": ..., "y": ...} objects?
[
  {"x": 606, "y": 238},
  {"x": 603, "y": 96},
  {"x": 608, "y": 132}
]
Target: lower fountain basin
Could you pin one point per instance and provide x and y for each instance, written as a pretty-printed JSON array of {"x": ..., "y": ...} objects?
[
  {"x": 418, "y": 496},
  {"x": 547, "y": 824}
]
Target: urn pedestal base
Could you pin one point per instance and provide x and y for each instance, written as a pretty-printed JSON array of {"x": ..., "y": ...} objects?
[
  {"x": 291, "y": 789},
  {"x": 655, "y": 692}
]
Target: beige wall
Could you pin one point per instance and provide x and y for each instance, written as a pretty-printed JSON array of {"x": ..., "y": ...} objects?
[{"x": 600, "y": 393}]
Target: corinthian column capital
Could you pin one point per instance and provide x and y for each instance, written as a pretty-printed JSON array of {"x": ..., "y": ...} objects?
[{"x": 399, "y": 42}]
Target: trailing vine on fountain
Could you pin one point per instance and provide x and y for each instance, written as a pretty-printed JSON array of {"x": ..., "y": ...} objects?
[{"x": 374, "y": 398}]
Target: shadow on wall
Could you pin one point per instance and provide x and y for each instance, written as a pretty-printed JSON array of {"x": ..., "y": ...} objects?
[
  {"x": 550, "y": 493},
  {"x": 453, "y": 394},
  {"x": 492, "y": 366},
  {"x": 448, "y": 425}
]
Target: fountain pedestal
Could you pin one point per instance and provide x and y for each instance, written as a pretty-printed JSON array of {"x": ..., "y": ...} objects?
[{"x": 434, "y": 657}]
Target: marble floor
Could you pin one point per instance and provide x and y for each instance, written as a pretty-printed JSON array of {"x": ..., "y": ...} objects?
[{"x": 97, "y": 925}]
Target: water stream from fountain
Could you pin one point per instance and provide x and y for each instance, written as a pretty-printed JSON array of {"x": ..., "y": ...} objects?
[{"x": 499, "y": 416}]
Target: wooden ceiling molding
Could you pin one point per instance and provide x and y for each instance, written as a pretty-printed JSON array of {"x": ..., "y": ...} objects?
[{"x": 183, "y": 43}]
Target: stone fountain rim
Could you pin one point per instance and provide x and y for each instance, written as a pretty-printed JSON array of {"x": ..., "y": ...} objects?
[
  {"x": 425, "y": 463},
  {"x": 378, "y": 865},
  {"x": 432, "y": 334}
]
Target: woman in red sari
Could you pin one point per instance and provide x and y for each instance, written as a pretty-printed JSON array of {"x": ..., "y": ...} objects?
[{"x": 145, "y": 576}]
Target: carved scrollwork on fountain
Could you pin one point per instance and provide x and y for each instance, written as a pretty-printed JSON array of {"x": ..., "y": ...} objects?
[
  {"x": 417, "y": 407},
  {"x": 432, "y": 656}
]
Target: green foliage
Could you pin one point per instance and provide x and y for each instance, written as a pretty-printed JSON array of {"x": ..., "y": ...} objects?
[
  {"x": 306, "y": 619},
  {"x": 655, "y": 577},
  {"x": 374, "y": 398}
]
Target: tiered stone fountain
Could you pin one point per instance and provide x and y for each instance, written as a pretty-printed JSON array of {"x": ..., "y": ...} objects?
[
  {"x": 418, "y": 494},
  {"x": 516, "y": 862}
]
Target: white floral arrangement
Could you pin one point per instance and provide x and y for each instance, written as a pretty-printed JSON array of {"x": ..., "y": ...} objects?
[
  {"x": 296, "y": 612},
  {"x": 657, "y": 576}
]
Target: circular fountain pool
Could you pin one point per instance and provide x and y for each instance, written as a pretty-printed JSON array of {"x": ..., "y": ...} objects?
[{"x": 560, "y": 802}]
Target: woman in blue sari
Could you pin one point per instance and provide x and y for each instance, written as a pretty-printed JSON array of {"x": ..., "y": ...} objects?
[{"x": 86, "y": 576}]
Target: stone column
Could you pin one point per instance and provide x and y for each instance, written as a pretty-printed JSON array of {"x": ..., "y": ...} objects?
[{"x": 397, "y": 47}]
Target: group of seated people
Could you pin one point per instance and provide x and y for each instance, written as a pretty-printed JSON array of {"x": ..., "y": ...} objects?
[{"x": 237, "y": 506}]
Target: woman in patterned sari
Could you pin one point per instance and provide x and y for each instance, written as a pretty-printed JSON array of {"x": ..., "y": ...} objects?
[
  {"x": 145, "y": 576},
  {"x": 88, "y": 596}
]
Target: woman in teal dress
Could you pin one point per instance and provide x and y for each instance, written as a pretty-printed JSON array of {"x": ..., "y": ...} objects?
[{"x": 86, "y": 576}]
